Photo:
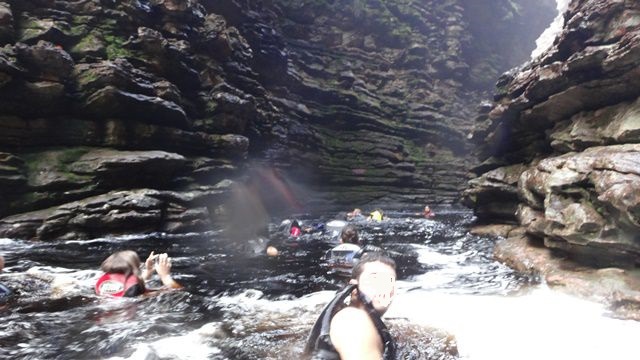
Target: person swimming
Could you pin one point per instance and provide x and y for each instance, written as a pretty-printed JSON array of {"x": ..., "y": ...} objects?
[
  {"x": 356, "y": 331},
  {"x": 122, "y": 276},
  {"x": 376, "y": 215},
  {"x": 343, "y": 257},
  {"x": 356, "y": 214},
  {"x": 295, "y": 229},
  {"x": 427, "y": 212}
]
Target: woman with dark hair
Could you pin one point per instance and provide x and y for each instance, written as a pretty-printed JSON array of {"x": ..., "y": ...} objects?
[
  {"x": 349, "y": 235},
  {"x": 123, "y": 276}
]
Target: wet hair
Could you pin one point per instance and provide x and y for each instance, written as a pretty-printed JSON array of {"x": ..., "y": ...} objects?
[
  {"x": 349, "y": 235},
  {"x": 369, "y": 258},
  {"x": 124, "y": 262}
]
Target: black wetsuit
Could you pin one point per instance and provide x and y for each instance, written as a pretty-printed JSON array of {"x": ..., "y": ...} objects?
[{"x": 319, "y": 344}]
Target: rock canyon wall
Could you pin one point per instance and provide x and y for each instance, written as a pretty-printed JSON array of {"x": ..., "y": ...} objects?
[
  {"x": 560, "y": 157},
  {"x": 139, "y": 116},
  {"x": 559, "y": 145}
]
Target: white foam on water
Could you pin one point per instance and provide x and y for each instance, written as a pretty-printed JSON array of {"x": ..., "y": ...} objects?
[
  {"x": 192, "y": 346},
  {"x": 6, "y": 241},
  {"x": 542, "y": 324},
  {"x": 247, "y": 308},
  {"x": 429, "y": 256}
]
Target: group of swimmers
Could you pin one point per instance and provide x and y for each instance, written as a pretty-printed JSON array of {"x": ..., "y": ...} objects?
[
  {"x": 343, "y": 256},
  {"x": 378, "y": 214},
  {"x": 349, "y": 327},
  {"x": 356, "y": 215}
]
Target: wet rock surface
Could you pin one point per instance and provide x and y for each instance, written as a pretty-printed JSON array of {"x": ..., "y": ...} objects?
[
  {"x": 565, "y": 128},
  {"x": 618, "y": 288},
  {"x": 374, "y": 111},
  {"x": 559, "y": 156}
]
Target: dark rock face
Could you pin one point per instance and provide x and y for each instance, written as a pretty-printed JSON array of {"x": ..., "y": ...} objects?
[
  {"x": 373, "y": 99},
  {"x": 100, "y": 121},
  {"x": 136, "y": 114},
  {"x": 560, "y": 143}
]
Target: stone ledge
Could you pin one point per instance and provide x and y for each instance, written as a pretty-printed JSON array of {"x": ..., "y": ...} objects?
[{"x": 617, "y": 288}]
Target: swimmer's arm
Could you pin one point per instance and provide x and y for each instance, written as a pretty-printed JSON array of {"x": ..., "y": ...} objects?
[
  {"x": 354, "y": 335},
  {"x": 148, "y": 267},
  {"x": 163, "y": 267},
  {"x": 168, "y": 282}
]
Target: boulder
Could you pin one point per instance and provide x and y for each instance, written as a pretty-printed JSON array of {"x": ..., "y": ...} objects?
[
  {"x": 494, "y": 195},
  {"x": 112, "y": 168},
  {"x": 589, "y": 202},
  {"x": 45, "y": 61}
]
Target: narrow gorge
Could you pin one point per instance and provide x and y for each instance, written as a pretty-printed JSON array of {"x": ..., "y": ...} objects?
[
  {"x": 358, "y": 101},
  {"x": 229, "y": 138}
]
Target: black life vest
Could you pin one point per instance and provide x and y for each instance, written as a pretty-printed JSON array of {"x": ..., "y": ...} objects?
[{"x": 319, "y": 344}]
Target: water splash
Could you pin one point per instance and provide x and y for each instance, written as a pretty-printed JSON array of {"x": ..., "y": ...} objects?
[{"x": 542, "y": 324}]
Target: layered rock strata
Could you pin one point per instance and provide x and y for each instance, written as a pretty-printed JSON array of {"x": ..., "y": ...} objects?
[
  {"x": 115, "y": 118},
  {"x": 105, "y": 105},
  {"x": 560, "y": 145},
  {"x": 376, "y": 97}
]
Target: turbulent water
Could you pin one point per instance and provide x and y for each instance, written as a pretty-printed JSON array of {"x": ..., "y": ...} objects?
[{"x": 240, "y": 304}]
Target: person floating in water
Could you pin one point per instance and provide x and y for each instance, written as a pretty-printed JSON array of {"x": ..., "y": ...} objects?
[
  {"x": 5, "y": 292},
  {"x": 123, "y": 276},
  {"x": 295, "y": 230},
  {"x": 376, "y": 215},
  {"x": 356, "y": 214},
  {"x": 428, "y": 213},
  {"x": 342, "y": 258},
  {"x": 356, "y": 331}
]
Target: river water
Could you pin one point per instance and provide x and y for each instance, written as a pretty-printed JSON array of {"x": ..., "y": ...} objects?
[{"x": 241, "y": 304}]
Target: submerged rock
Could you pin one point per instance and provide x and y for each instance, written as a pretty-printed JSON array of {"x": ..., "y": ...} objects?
[{"x": 618, "y": 288}]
